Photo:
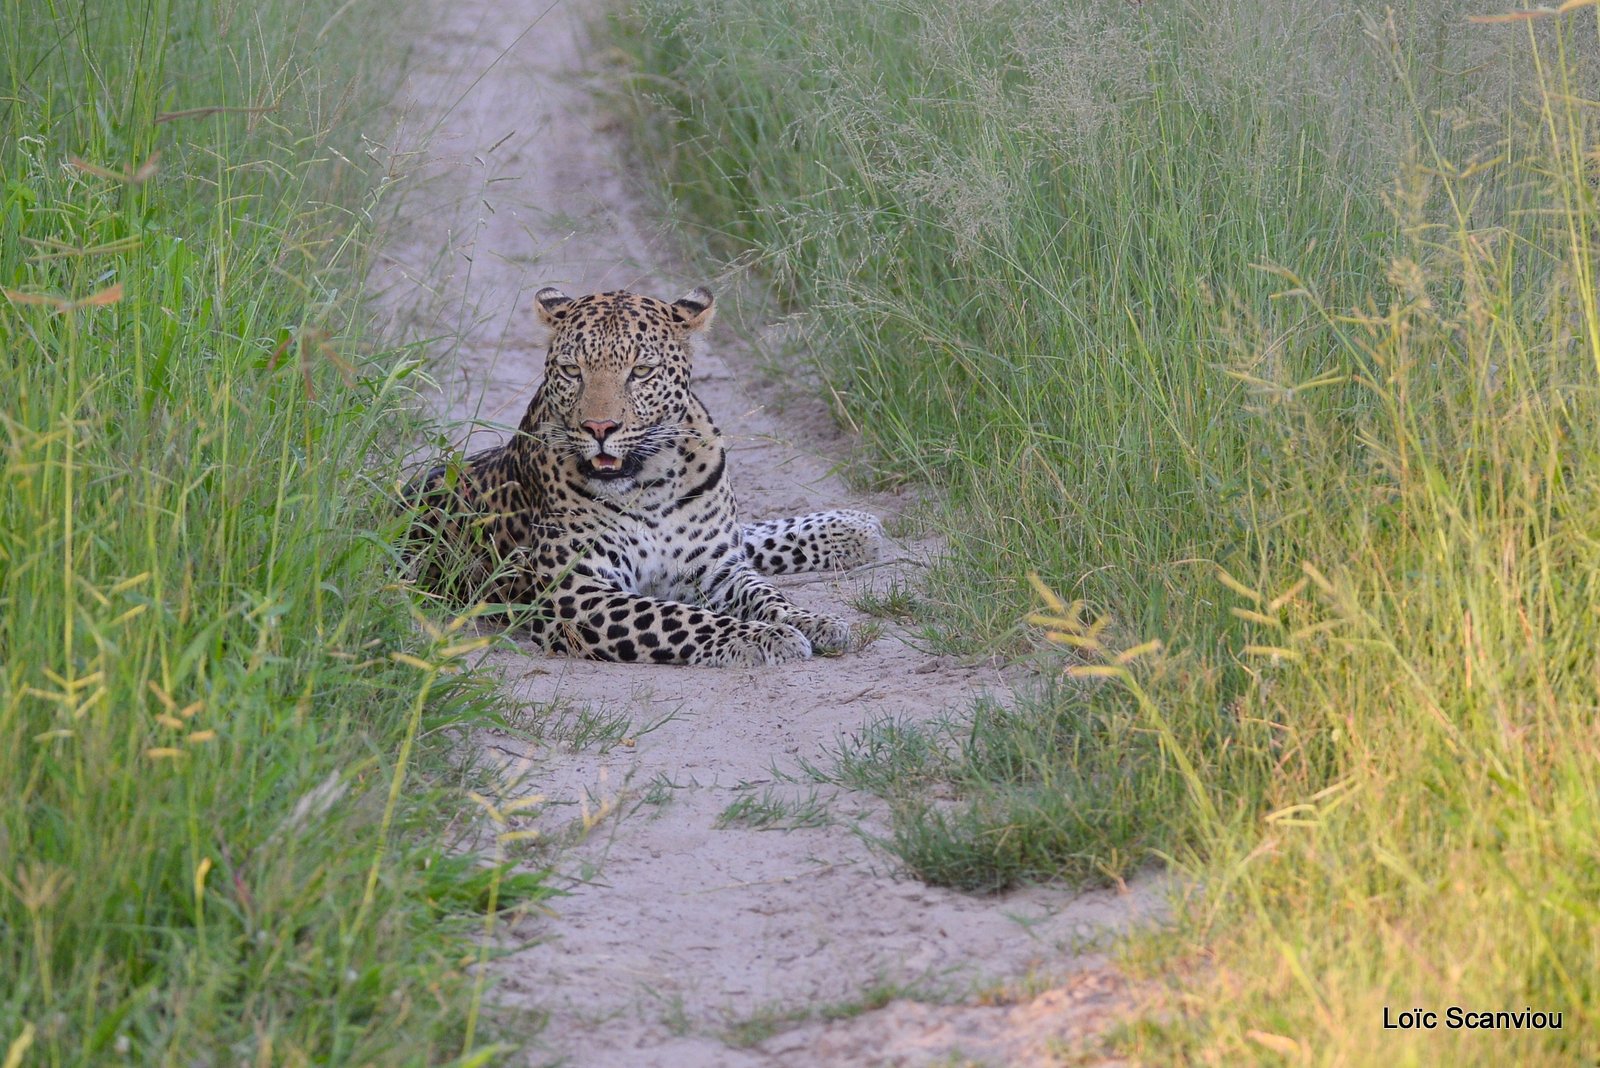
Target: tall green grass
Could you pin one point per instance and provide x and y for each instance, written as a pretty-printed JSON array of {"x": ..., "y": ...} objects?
[
  {"x": 1267, "y": 330},
  {"x": 221, "y": 817}
]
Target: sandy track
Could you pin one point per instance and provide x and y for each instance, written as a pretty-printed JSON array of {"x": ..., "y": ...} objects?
[{"x": 679, "y": 936}]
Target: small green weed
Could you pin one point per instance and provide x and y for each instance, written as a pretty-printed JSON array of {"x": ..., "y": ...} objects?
[
  {"x": 662, "y": 789},
  {"x": 761, "y": 1024},
  {"x": 898, "y": 602},
  {"x": 769, "y": 1020},
  {"x": 600, "y": 729},
  {"x": 888, "y": 756},
  {"x": 675, "y": 1017},
  {"x": 771, "y": 811}
]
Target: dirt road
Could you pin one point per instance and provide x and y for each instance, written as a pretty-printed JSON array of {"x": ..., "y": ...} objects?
[{"x": 685, "y": 943}]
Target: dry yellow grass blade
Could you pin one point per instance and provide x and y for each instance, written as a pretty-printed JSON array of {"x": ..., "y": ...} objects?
[
  {"x": 510, "y": 837},
  {"x": 161, "y": 695},
  {"x": 1128, "y": 656},
  {"x": 1287, "y": 595},
  {"x": 201, "y": 870},
  {"x": 19, "y": 1046},
  {"x": 1316, "y": 577},
  {"x": 1097, "y": 671},
  {"x": 489, "y": 807},
  {"x": 471, "y": 645},
  {"x": 1046, "y": 594},
  {"x": 129, "y": 583},
  {"x": 1255, "y": 617},
  {"x": 1236, "y": 586},
  {"x": 55, "y": 249},
  {"x": 1271, "y": 652},
  {"x": 110, "y": 295},
  {"x": 1276, "y": 1043},
  {"x": 130, "y": 175},
  {"x": 1066, "y": 637}
]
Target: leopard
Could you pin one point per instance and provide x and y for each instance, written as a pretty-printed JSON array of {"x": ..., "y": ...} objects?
[{"x": 609, "y": 517}]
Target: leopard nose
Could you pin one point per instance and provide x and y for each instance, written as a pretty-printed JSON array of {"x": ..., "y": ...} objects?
[{"x": 600, "y": 428}]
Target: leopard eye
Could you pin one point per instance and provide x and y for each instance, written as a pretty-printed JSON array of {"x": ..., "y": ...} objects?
[
  {"x": 569, "y": 370},
  {"x": 641, "y": 371}
]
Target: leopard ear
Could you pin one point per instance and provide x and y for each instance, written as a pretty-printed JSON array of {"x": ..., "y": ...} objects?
[
  {"x": 695, "y": 309},
  {"x": 552, "y": 304}
]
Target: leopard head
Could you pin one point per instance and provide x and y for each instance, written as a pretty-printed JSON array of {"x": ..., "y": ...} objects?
[{"x": 616, "y": 386}]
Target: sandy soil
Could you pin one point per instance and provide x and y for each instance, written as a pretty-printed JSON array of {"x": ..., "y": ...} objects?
[{"x": 683, "y": 943}]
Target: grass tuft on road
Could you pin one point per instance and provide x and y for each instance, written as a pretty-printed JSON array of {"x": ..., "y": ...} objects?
[
  {"x": 1266, "y": 331},
  {"x": 222, "y": 790}
]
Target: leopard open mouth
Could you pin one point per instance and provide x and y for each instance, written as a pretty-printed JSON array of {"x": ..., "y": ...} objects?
[{"x": 605, "y": 467}]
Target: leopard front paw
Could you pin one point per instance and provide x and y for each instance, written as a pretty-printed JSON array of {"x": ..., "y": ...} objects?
[
  {"x": 759, "y": 644},
  {"x": 828, "y": 634},
  {"x": 855, "y": 538}
]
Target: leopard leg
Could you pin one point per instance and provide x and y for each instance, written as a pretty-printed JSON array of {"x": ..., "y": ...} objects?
[
  {"x": 590, "y": 616},
  {"x": 733, "y": 586},
  {"x": 820, "y": 541}
]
